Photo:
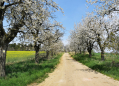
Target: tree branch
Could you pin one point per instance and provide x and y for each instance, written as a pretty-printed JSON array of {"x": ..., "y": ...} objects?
[
  {"x": 6, "y": 6},
  {"x": 15, "y": 29}
]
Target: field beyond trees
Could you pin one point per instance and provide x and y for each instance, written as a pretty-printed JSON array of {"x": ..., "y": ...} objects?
[
  {"x": 25, "y": 72},
  {"x": 17, "y": 56}
]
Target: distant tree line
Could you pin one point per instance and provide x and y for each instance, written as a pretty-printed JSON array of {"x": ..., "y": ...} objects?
[{"x": 20, "y": 47}]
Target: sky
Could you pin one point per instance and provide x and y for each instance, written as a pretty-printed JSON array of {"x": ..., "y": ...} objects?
[{"x": 74, "y": 11}]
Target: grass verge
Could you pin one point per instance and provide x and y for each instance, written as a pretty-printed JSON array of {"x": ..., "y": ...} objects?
[
  {"x": 23, "y": 73},
  {"x": 107, "y": 67}
]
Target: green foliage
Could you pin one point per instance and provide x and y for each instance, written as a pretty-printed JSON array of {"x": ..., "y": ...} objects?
[
  {"x": 108, "y": 67},
  {"x": 23, "y": 73}
]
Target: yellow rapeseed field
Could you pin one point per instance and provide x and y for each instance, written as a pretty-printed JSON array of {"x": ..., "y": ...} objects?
[{"x": 16, "y": 56}]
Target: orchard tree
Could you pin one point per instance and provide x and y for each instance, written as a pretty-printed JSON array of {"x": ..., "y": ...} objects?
[
  {"x": 108, "y": 10},
  {"x": 73, "y": 41},
  {"x": 77, "y": 39},
  {"x": 105, "y": 7},
  {"x": 19, "y": 14},
  {"x": 88, "y": 36},
  {"x": 40, "y": 30},
  {"x": 102, "y": 30},
  {"x": 95, "y": 29},
  {"x": 43, "y": 33},
  {"x": 56, "y": 47},
  {"x": 81, "y": 39},
  {"x": 52, "y": 39}
]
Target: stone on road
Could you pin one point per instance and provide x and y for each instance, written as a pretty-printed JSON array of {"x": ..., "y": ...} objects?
[{"x": 72, "y": 73}]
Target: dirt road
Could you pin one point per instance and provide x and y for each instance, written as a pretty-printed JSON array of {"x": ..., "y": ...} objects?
[{"x": 72, "y": 73}]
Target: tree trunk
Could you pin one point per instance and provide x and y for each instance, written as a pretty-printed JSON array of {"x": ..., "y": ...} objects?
[
  {"x": 3, "y": 46},
  {"x": 80, "y": 51},
  {"x": 51, "y": 52},
  {"x": 89, "y": 49},
  {"x": 3, "y": 49},
  {"x": 83, "y": 51},
  {"x": 47, "y": 54},
  {"x": 101, "y": 48},
  {"x": 75, "y": 52},
  {"x": 102, "y": 54},
  {"x": 36, "y": 54},
  {"x": 54, "y": 53},
  {"x": 90, "y": 54}
]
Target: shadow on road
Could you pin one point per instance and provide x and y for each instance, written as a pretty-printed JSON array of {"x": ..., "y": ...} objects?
[{"x": 87, "y": 70}]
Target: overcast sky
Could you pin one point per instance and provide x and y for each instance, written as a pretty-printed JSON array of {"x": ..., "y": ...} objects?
[{"x": 74, "y": 10}]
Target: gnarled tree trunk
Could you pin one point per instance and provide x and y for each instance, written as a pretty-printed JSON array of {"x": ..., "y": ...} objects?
[
  {"x": 102, "y": 47},
  {"x": 84, "y": 51},
  {"x": 75, "y": 52},
  {"x": 89, "y": 49},
  {"x": 3, "y": 45},
  {"x": 6, "y": 38},
  {"x": 80, "y": 51},
  {"x": 47, "y": 54},
  {"x": 90, "y": 54},
  {"x": 51, "y": 52},
  {"x": 36, "y": 47},
  {"x": 3, "y": 49},
  {"x": 102, "y": 54}
]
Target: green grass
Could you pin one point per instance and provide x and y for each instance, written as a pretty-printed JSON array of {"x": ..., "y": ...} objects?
[
  {"x": 23, "y": 73},
  {"x": 17, "y": 56},
  {"x": 106, "y": 67}
]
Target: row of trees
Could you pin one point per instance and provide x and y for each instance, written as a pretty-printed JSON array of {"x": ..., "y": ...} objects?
[
  {"x": 29, "y": 21},
  {"x": 20, "y": 47},
  {"x": 98, "y": 30}
]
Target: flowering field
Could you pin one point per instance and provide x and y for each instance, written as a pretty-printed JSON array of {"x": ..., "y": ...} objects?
[{"x": 16, "y": 56}]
